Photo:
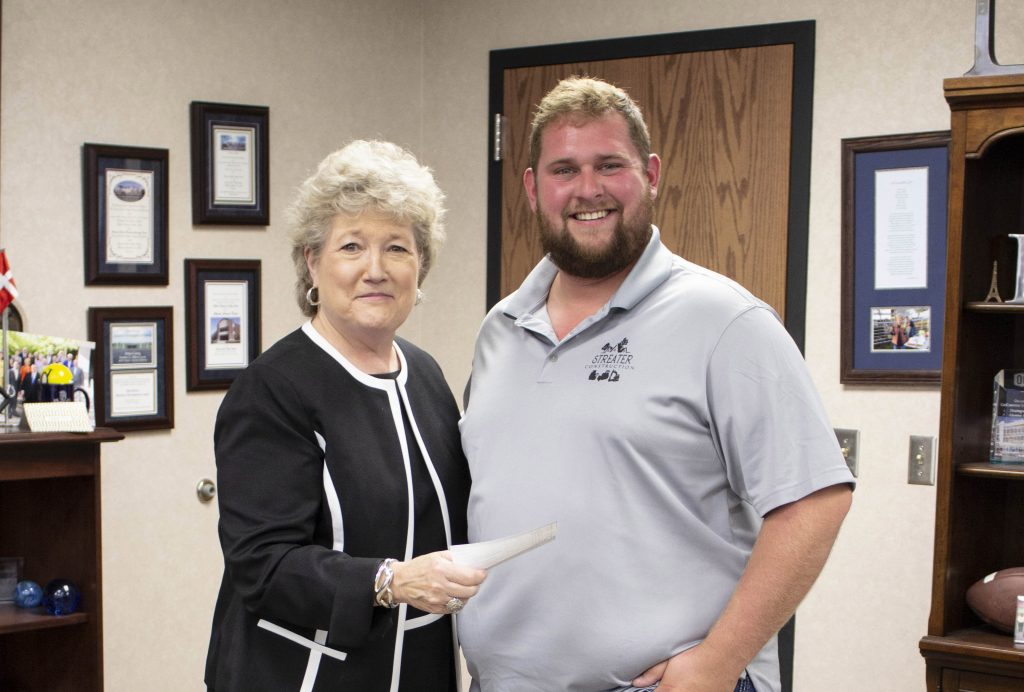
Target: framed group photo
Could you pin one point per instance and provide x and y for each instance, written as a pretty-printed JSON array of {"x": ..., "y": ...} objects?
[
  {"x": 133, "y": 367},
  {"x": 894, "y": 199},
  {"x": 222, "y": 320},
  {"x": 125, "y": 215},
  {"x": 230, "y": 164}
]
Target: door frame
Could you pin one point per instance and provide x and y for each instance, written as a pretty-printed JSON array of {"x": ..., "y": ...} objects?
[{"x": 799, "y": 34}]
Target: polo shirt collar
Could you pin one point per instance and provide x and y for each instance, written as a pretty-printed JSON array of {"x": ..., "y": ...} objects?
[{"x": 650, "y": 271}]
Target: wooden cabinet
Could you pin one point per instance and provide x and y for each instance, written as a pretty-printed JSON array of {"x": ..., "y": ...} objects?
[
  {"x": 50, "y": 517},
  {"x": 979, "y": 514}
]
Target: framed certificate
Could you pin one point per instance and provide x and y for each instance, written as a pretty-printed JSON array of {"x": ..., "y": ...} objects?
[
  {"x": 125, "y": 215},
  {"x": 133, "y": 367},
  {"x": 894, "y": 258},
  {"x": 230, "y": 164},
  {"x": 222, "y": 320}
]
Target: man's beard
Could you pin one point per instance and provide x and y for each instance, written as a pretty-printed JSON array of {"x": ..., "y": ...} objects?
[{"x": 628, "y": 241}]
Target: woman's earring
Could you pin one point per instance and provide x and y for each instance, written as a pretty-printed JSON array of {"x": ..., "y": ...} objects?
[
  {"x": 309, "y": 296},
  {"x": 420, "y": 295}
]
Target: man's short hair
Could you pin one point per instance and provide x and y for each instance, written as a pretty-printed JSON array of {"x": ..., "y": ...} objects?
[{"x": 587, "y": 98}]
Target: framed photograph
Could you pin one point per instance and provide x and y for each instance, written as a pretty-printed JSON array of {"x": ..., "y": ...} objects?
[
  {"x": 125, "y": 212},
  {"x": 133, "y": 367},
  {"x": 10, "y": 575},
  {"x": 65, "y": 364},
  {"x": 230, "y": 164},
  {"x": 222, "y": 320},
  {"x": 894, "y": 258}
]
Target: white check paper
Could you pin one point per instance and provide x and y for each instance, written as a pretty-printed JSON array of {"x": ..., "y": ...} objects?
[{"x": 487, "y": 554}]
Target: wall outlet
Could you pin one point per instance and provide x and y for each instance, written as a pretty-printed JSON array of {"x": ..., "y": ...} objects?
[
  {"x": 921, "y": 465},
  {"x": 849, "y": 444}
]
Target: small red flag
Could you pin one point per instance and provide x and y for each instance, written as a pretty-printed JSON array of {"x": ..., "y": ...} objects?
[{"x": 8, "y": 291}]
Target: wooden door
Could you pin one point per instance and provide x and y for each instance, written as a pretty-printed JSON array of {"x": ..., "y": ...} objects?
[{"x": 726, "y": 115}]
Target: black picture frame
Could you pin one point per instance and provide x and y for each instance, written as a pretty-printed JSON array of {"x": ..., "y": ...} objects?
[
  {"x": 133, "y": 368},
  {"x": 220, "y": 346},
  {"x": 879, "y": 324},
  {"x": 125, "y": 193},
  {"x": 230, "y": 164}
]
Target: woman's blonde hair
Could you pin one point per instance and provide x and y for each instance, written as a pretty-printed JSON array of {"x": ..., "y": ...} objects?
[{"x": 365, "y": 175}]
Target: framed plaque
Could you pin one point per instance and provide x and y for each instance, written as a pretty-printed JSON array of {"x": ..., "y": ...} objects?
[
  {"x": 125, "y": 212},
  {"x": 133, "y": 368},
  {"x": 230, "y": 164},
  {"x": 10, "y": 575},
  {"x": 894, "y": 194},
  {"x": 222, "y": 320}
]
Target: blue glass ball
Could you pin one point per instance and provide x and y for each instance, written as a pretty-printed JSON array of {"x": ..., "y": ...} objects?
[
  {"x": 61, "y": 597},
  {"x": 28, "y": 594}
]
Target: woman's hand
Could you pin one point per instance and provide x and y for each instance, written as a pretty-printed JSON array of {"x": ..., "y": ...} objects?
[{"x": 429, "y": 581}]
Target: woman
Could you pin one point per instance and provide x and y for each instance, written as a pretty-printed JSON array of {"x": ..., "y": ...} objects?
[{"x": 342, "y": 480}]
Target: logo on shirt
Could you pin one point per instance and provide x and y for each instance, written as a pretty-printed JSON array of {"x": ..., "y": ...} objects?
[{"x": 609, "y": 364}]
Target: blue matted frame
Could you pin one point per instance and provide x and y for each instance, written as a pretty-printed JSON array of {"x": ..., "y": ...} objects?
[{"x": 863, "y": 306}]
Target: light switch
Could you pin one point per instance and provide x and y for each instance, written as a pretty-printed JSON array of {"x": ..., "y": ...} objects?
[
  {"x": 849, "y": 444},
  {"x": 921, "y": 468}
]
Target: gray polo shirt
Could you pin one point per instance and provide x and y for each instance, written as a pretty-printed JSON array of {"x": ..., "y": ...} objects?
[{"x": 656, "y": 434}]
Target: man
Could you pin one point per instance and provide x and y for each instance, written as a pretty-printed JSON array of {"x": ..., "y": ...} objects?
[
  {"x": 657, "y": 411},
  {"x": 31, "y": 385}
]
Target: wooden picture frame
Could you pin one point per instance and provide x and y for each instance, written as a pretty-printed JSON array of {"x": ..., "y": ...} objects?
[
  {"x": 894, "y": 210},
  {"x": 133, "y": 368},
  {"x": 230, "y": 164},
  {"x": 222, "y": 320},
  {"x": 125, "y": 193}
]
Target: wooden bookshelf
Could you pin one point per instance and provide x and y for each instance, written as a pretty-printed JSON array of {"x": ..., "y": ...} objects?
[{"x": 50, "y": 517}]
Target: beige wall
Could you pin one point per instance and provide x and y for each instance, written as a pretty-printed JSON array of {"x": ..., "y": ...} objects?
[{"x": 416, "y": 72}]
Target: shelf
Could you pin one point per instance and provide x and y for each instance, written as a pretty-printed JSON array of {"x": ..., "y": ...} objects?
[
  {"x": 14, "y": 619},
  {"x": 977, "y": 642},
  {"x": 18, "y": 437},
  {"x": 1005, "y": 308},
  {"x": 50, "y": 516},
  {"x": 1008, "y": 471}
]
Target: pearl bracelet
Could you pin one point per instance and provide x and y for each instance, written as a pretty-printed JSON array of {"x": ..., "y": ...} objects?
[{"x": 382, "y": 594}]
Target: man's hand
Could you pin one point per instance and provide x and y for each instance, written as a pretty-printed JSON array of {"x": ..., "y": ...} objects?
[
  {"x": 695, "y": 670},
  {"x": 791, "y": 549}
]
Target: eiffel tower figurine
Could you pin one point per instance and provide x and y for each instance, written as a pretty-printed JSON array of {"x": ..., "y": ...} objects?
[{"x": 993, "y": 291}]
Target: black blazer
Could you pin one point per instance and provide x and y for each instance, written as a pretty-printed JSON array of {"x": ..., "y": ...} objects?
[{"x": 313, "y": 493}]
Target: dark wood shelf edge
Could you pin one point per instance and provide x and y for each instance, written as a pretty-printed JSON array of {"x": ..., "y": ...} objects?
[
  {"x": 974, "y": 92},
  {"x": 976, "y": 642},
  {"x": 1005, "y": 308},
  {"x": 9, "y": 436},
  {"x": 14, "y": 619},
  {"x": 1013, "y": 472}
]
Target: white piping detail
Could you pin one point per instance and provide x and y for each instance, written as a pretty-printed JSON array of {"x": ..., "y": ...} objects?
[
  {"x": 302, "y": 641},
  {"x": 434, "y": 478},
  {"x": 313, "y": 665},
  {"x": 333, "y": 503},
  {"x": 442, "y": 500},
  {"x": 369, "y": 380},
  {"x": 421, "y": 621},
  {"x": 396, "y": 415},
  {"x": 396, "y": 395}
]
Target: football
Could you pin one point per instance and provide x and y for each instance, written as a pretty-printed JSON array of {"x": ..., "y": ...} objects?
[{"x": 994, "y": 598}]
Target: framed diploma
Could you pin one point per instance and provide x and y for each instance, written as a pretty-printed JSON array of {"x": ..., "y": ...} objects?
[
  {"x": 133, "y": 367},
  {"x": 125, "y": 215},
  {"x": 230, "y": 164},
  {"x": 894, "y": 192},
  {"x": 222, "y": 320}
]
